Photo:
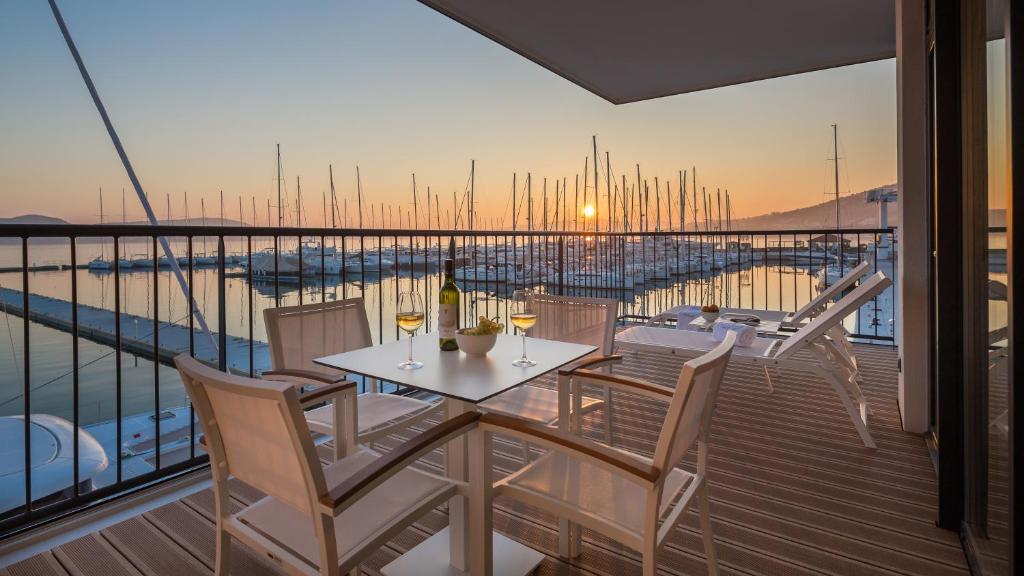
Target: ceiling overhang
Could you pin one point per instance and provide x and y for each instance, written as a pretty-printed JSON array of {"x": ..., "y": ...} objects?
[{"x": 627, "y": 51}]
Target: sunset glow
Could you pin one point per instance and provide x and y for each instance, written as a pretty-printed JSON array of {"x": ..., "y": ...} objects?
[{"x": 408, "y": 91}]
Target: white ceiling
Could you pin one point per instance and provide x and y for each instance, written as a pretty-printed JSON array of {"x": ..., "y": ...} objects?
[{"x": 629, "y": 50}]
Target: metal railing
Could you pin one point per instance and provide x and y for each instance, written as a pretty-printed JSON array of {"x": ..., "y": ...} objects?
[{"x": 257, "y": 267}]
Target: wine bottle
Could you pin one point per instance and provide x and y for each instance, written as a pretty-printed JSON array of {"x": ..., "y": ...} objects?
[{"x": 448, "y": 311}]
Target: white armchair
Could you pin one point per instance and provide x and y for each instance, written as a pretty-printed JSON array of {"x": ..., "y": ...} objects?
[
  {"x": 299, "y": 334},
  {"x": 313, "y": 520},
  {"x": 626, "y": 497}
]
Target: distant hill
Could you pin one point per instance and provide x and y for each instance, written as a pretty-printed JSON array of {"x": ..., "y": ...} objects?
[
  {"x": 38, "y": 219},
  {"x": 32, "y": 219},
  {"x": 854, "y": 212}
]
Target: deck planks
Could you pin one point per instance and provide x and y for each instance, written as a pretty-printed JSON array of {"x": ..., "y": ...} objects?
[{"x": 793, "y": 492}]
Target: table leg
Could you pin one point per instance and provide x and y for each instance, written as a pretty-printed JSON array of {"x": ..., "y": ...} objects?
[
  {"x": 455, "y": 458},
  {"x": 568, "y": 534},
  {"x": 447, "y": 553}
]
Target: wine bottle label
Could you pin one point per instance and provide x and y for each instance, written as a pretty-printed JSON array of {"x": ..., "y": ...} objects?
[{"x": 447, "y": 320}]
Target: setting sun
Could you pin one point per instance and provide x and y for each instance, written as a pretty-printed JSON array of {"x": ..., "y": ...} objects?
[{"x": 589, "y": 211}]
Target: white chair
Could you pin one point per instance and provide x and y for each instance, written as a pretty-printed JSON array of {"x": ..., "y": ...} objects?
[
  {"x": 808, "y": 311},
  {"x": 566, "y": 319},
  {"x": 635, "y": 500},
  {"x": 299, "y": 334},
  {"x": 313, "y": 520},
  {"x": 831, "y": 355}
]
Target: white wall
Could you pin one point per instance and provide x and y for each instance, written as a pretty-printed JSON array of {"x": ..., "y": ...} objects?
[{"x": 913, "y": 314}]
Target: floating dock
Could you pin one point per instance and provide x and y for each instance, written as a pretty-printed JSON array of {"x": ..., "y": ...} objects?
[{"x": 137, "y": 335}]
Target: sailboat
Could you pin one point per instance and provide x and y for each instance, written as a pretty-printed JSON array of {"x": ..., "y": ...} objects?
[
  {"x": 835, "y": 265},
  {"x": 100, "y": 263}
]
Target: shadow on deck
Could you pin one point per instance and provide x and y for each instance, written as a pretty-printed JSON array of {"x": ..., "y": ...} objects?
[{"x": 793, "y": 492}]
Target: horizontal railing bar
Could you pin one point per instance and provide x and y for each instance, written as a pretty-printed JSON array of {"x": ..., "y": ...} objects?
[{"x": 146, "y": 231}]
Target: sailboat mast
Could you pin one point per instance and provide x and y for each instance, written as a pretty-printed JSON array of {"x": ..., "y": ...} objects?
[
  {"x": 586, "y": 171},
  {"x": 576, "y": 213},
  {"x": 359, "y": 196},
  {"x": 682, "y": 201},
  {"x": 334, "y": 196},
  {"x": 514, "y": 213},
  {"x": 544, "y": 209},
  {"x": 472, "y": 193},
  {"x": 835, "y": 153},
  {"x": 668, "y": 199},
  {"x": 608, "y": 185},
  {"x": 657, "y": 205},
  {"x": 696, "y": 226},
  {"x": 415, "y": 206},
  {"x": 597, "y": 199},
  {"x": 529, "y": 201},
  {"x": 280, "y": 214}
]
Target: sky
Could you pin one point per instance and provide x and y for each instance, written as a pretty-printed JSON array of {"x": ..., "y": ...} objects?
[{"x": 201, "y": 93}]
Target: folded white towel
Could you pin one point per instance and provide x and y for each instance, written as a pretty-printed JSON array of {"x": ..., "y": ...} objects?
[
  {"x": 744, "y": 334},
  {"x": 685, "y": 315}
]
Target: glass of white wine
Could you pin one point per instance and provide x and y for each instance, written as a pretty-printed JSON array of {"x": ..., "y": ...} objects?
[
  {"x": 409, "y": 317},
  {"x": 523, "y": 319}
]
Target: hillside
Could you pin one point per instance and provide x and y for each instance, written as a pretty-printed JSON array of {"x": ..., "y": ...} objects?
[
  {"x": 854, "y": 212},
  {"x": 32, "y": 219}
]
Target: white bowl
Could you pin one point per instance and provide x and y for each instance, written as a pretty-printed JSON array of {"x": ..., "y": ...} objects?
[{"x": 476, "y": 345}]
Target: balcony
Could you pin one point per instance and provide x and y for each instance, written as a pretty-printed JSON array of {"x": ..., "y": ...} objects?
[
  {"x": 793, "y": 491},
  {"x": 792, "y": 486}
]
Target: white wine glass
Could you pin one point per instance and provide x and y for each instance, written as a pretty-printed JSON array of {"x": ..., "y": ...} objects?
[
  {"x": 409, "y": 317},
  {"x": 523, "y": 319}
]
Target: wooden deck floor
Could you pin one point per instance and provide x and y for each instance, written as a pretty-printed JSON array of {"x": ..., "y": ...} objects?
[{"x": 793, "y": 492}]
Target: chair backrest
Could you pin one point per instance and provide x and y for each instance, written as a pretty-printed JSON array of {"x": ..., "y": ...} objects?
[
  {"x": 254, "y": 430},
  {"x": 693, "y": 403},
  {"x": 819, "y": 302},
  {"x": 835, "y": 315},
  {"x": 298, "y": 334},
  {"x": 577, "y": 320}
]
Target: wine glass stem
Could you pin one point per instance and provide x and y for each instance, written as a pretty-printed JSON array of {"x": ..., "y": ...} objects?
[
  {"x": 410, "y": 349},
  {"x": 524, "y": 344}
]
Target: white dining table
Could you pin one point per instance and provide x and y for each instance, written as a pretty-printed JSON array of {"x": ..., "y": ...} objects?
[{"x": 463, "y": 381}]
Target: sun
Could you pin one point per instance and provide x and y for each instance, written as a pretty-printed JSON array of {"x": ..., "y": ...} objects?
[{"x": 589, "y": 211}]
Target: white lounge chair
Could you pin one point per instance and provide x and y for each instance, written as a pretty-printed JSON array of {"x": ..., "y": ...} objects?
[
  {"x": 313, "y": 520},
  {"x": 783, "y": 318},
  {"x": 298, "y": 334},
  {"x": 635, "y": 500},
  {"x": 566, "y": 319},
  {"x": 825, "y": 338}
]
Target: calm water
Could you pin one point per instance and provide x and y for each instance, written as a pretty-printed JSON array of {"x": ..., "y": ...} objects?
[{"x": 770, "y": 287}]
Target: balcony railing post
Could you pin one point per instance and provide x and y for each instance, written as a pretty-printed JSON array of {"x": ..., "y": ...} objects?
[
  {"x": 561, "y": 266},
  {"x": 222, "y": 312}
]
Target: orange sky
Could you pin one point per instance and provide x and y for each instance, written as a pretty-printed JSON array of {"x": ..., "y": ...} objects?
[{"x": 395, "y": 88}]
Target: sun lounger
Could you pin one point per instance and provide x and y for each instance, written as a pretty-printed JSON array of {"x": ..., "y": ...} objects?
[
  {"x": 773, "y": 321},
  {"x": 831, "y": 354}
]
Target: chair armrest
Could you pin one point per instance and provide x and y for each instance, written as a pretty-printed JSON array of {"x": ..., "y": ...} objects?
[
  {"x": 660, "y": 319},
  {"x": 579, "y": 447},
  {"x": 303, "y": 376},
  {"x": 329, "y": 391},
  {"x": 368, "y": 478},
  {"x": 625, "y": 383},
  {"x": 591, "y": 363}
]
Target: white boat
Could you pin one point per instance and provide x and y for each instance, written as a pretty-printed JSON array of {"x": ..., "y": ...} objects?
[
  {"x": 287, "y": 264},
  {"x": 101, "y": 265},
  {"x": 142, "y": 261},
  {"x": 370, "y": 263},
  {"x": 482, "y": 274},
  {"x": 51, "y": 445}
]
